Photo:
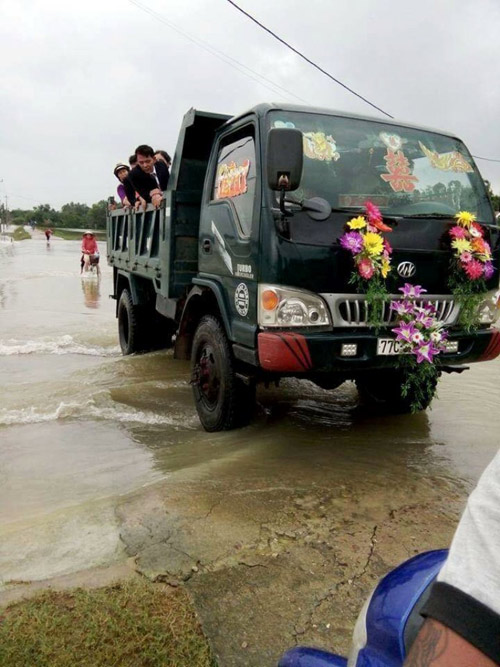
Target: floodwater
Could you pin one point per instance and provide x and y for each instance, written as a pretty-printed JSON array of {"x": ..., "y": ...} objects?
[{"x": 81, "y": 426}]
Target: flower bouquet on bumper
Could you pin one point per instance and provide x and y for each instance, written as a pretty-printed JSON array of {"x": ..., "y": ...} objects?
[{"x": 421, "y": 337}]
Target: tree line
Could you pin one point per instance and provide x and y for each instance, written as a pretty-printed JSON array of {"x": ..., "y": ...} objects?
[{"x": 72, "y": 215}]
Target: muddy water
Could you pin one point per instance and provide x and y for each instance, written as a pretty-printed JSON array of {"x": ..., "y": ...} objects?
[{"x": 81, "y": 426}]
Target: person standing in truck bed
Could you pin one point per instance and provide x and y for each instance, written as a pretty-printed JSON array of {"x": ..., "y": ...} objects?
[{"x": 148, "y": 177}]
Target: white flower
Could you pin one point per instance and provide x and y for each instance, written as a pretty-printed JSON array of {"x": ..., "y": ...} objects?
[
  {"x": 436, "y": 337},
  {"x": 417, "y": 337}
]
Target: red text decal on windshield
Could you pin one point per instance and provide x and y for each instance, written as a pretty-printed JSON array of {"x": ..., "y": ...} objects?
[
  {"x": 399, "y": 177},
  {"x": 232, "y": 179}
]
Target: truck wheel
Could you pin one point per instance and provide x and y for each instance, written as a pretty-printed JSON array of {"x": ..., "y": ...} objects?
[
  {"x": 382, "y": 390},
  {"x": 222, "y": 400},
  {"x": 129, "y": 325}
]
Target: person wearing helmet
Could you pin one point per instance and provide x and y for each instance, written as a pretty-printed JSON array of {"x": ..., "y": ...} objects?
[
  {"x": 90, "y": 250},
  {"x": 125, "y": 189}
]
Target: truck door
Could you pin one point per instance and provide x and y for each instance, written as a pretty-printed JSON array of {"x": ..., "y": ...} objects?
[{"x": 229, "y": 229}]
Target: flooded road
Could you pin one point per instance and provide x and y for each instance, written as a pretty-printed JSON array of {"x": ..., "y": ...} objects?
[{"x": 102, "y": 457}]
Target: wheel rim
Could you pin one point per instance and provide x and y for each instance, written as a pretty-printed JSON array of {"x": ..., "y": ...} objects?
[
  {"x": 208, "y": 376},
  {"x": 124, "y": 328}
]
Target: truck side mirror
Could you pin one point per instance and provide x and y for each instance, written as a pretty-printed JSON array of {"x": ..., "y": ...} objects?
[{"x": 285, "y": 156}]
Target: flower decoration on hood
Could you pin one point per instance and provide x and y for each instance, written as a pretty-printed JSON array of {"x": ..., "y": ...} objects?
[
  {"x": 371, "y": 252},
  {"x": 470, "y": 249}
]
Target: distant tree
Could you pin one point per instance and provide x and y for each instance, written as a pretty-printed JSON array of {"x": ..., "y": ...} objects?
[
  {"x": 97, "y": 215},
  {"x": 74, "y": 215},
  {"x": 44, "y": 214}
]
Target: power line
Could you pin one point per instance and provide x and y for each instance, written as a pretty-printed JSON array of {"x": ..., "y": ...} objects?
[
  {"x": 229, "y": 60},
  {"x": 308, "y": 60},
  {"x": 488, "y": 159}
]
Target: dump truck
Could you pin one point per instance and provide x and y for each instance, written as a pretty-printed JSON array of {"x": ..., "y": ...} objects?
[{"x": 242, "y": 271}]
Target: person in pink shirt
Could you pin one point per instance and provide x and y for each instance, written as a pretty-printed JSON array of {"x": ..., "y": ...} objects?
[{"x": 90, "y": 250}]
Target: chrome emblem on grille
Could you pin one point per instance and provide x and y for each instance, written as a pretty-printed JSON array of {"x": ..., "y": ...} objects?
[{"x": 406, "y": 269}]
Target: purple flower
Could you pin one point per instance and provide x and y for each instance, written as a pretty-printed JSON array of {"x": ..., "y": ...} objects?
[
  {"x": 489, "y": 270},
  {"x": 426, "y": 352},
  {"x": 424, "y": 319},
  {"x": 402, "y": 307},
  {"x": 352, "y": 241},
  {"x": 412, "y": 291},
  {"x": 405, "y": 331}
]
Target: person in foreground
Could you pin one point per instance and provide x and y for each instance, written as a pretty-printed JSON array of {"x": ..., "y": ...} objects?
[{"x": 462, "y": 626}]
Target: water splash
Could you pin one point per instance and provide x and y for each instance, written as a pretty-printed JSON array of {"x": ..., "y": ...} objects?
[
  {"x": 62, "y": 345},
  {"x": 89, "y": 410}
]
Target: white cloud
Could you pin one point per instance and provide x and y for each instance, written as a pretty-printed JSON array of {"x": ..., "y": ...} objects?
[{"x": 83, "y": 83}]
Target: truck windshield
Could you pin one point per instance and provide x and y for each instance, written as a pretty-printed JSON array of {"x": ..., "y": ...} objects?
[{"x": 405, "y": 171}]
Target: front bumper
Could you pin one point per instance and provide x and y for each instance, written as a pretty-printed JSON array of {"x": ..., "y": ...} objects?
[{"x": 312, "y": 353}]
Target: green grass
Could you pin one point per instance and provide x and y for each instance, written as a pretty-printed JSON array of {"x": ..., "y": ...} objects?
[
  {"x": 20, "y": 234},
  {"x": 72, "y": 236},
  {"x": 131, "y": 624}
]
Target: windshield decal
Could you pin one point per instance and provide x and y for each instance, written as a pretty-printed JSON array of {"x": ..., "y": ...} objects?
[
  {"x": 232, "y": 179},
  {"x": 399, "y": 175},
  {"x": 283, "y": 123},
  {"x": 452, "y": 161},
  {"x": 392, "y": 141},
  {"x": 319, "y": 146}
]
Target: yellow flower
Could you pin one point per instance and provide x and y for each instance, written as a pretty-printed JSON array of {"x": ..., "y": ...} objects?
[
  {"x": 357, "y": 223},
  {"x": 465, "y": 219},
  {"x": 461, "y": 245},
  {"x": 386, "y": 267},
  {"x": 373, "y": 243}
]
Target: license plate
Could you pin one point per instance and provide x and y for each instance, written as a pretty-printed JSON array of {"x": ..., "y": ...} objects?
[{"x": 388, "y": 346}]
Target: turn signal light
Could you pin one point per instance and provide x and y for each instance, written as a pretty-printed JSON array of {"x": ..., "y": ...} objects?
[{"x": 270, "y": 299}]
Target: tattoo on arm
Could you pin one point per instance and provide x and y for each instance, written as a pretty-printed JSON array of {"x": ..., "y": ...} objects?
[{"x": 430, "y": 644}]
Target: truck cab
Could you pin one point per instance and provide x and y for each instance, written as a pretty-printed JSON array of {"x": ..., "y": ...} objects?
[{"x": 242, "y": 270}]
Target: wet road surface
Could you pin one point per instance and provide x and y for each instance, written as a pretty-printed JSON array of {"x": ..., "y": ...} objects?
[{"x": 279, "y": 529}]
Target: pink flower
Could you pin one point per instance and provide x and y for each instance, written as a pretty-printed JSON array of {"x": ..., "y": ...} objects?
[
  {"x": 458, "y": 232},
  {"x": 352, "y": 241},
  {"x": 425, "y": 320},
  {"x": 373, "y": 212},
  {"x": 402, "y": 307},
  {"x": 375, "y": 218},
  {"x": 465, "y": 257},
  {"x": 412, "y": 291},
  {"x": 426, "y": 352},
  {"x": 366, "y": 268},
  {"x": 387, "y": 247},
  {"x": 405, "y": 331},
  {"x": 474, "y": 269}
]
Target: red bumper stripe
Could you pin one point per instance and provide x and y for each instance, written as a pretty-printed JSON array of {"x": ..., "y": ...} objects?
[
  {"x": 284, "y": 352},
  {"x": 493, "y": 349}
]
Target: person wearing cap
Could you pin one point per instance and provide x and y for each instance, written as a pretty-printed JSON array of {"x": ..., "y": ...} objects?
[
  {"x": 90, "y": 249},
  {"x": 125, "y": 189}
]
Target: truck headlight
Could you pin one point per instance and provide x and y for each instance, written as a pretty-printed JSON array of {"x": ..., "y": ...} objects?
[
  {"x": 489, "y": 309},
  {"x": 285, "y": 307}
]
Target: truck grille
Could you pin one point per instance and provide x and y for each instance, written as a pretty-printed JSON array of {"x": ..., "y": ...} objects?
[{"x": 351, "y": 310}]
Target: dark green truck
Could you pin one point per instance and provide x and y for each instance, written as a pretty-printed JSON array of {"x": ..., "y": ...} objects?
[{"x": 242, "y": 271}]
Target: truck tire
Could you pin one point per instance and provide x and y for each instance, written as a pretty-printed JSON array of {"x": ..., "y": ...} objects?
[
  {"x": 130, "y": 328},
  {"x": 222, "y": 400},
  {"x": 382, "y": 390}
]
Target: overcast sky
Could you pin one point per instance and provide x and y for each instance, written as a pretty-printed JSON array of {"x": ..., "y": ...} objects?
[{"x": 83, "y": 83}]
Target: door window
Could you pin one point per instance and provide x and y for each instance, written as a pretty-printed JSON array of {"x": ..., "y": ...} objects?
[{"x": 235, "y": 177}]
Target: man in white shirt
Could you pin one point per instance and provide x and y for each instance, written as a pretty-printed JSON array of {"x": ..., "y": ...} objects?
[{"x": 462, "y": 627}]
